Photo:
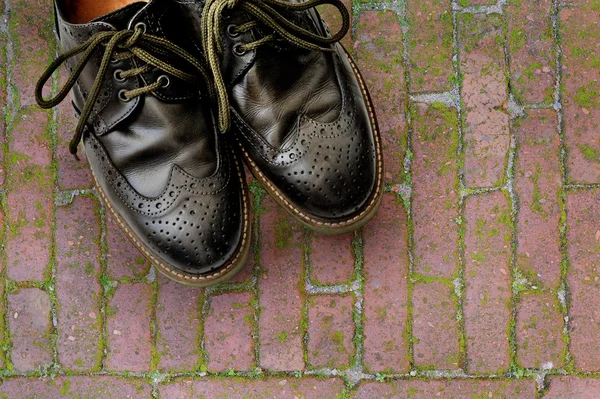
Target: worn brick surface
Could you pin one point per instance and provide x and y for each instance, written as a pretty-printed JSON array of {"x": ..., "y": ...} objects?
[
  {"x": 334, "y": 21},
  {"x": 581, "y": 72},
  {"x": 386, "y": 271},
  {"x": 29, "y": 320},
  {"x": 228, "y": 332},
  {"x": 435, "y": 176},
  {"x": 583, "y": 236},
  {"x": 379, "y": 56},
  {"x": 289, "y": 388},
  {"x": 124, "y": 260},
  {"x": 331, "y": 259},
  {"x": 178, "y": 322},
  {"x": 281, "y": 262},
  {"x": 77, "y": 286},
  {"x": 434, "y": 326},
  {"x": 573, "y": 387},
  {"x": 457, "y": 389},
  {"x": 129, "y": 337},
  {"x": 484, "y": 94},
  {"x": 330, "y": 331},
  {"x": 75, "y": 387},
  {"x": 487, "y": 251}
]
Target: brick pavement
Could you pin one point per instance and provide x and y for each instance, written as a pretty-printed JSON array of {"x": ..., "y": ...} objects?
[{"x": 478, "y": 278}]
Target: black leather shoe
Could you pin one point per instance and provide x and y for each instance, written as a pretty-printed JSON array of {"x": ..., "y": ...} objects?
[
  {"x": 300, "y": 108},
  {"x": 165, "y": 173}
]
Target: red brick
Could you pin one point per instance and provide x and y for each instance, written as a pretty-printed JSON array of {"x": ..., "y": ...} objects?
[
  {"x": 124, "y": 259},
  {"x": 581, "y": 101},
  {"x": 435, "y": 203},
  {"x": 77, "y": 287},
  {"x": 333, "y": 20},
  {"x": 289, "y": 388},
  {"x": 573, "y": 387},
  {"x": 455, "y": 389},
  {"x": 537, "y": 183},
  {"x": 484, "y": 91},
  {"x": 29, "y": 320},
  {"x": 29, "y": 199},
  {"x": 330, "y": 331},
  {"x": 430, "y": 45},
  {"x": 487, "y": 253},
  {"x": 178, "y": 321},
  {"x": 435, "y": 328},
  {"x": 281, "y": 260},
  {"x": 583, "y": 218},
  {"x": 3, "y": 93},
  {"x": 247, "y": 272},
  {"x": 77, "y": 387},
  {"x": 228, "y": 332},
  {"x": 539, "y": 332},
  {"x": 129, "y": 338},
  {"x": 386, "y": 271},
  {"x": 380, "y": 60},
  {"x": 331, "y": 259},
  {"x": 531, "y": 46}
]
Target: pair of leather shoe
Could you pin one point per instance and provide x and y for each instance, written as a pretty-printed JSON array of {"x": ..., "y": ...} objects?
[{"x": 170, "y": 94}]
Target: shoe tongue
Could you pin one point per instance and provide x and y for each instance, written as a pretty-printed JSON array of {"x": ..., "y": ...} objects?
[{"x": 120, "y": 18}]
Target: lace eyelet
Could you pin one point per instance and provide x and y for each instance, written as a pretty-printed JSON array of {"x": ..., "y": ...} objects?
[
  {"x": 118, "y": 77},
  {"x": 165, "y": 79},
  {"x": 140, "y": 25},
  {"x": 123, "y": 97},
  {"x": 231, "y": 31},
  {"x": 237, "y": 50}
]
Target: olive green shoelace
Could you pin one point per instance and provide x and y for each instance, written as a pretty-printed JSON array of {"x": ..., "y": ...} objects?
[
  {"x": 119, "y": 45},
  {"x": 266, "y": 13}
]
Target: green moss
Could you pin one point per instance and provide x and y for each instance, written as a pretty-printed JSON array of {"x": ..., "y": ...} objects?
[
  {"x": 587, "y": 95},
  {"x": 283, "y": 233},
  {"x": 589, "y": 153}
]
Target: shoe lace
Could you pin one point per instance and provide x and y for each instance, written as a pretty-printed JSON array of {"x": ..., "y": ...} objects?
[
  {"x": 267, "y": 13},
  {"x": 119, "y": 45}
]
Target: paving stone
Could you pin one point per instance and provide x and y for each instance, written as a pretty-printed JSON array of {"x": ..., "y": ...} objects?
[
  {"x": 581, "y": 79},
  {"x": 430, "y": 48},
  {"x": 379, "y": 55},
  {"x": 97, "y": 387},
  {"x": 435, "y": 328},
  {"x": 129, "y": 338},
  {"x": 583, "y": 218},
  {"x": 573, "y": 387},
  {"x": 385, "y": 292},
  {"x": 488, "y": 293},
  {"x": 77, "y": 288},
  {"x": 281, "y": 261},
  {"x": 334, "y": 21},
  {"x": 3, "y": 94},
  {"x": 537, "y": 183},
  {"x": 29, "y": 198},
  {"x": 539, "y": 331},
  {"x": 485, "y": 95},
  {"x": 531, "y": 47},
  {"x": 331, "y": 259},
  {"x": 330, "y": 331},
  {"x": 228, "y": 332},
  {"x": 29, "y": 321},
  {"x": 124, "y": 259},
  {"x": 435, "y": 201},
  {"x": 289, "y": 388},
  {"x": 455, "y": 389},
  {"x": 177, "y": 321}
]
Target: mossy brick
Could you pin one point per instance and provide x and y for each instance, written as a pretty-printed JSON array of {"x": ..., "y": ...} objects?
[
  {"x": 470, "y": 3},
  {"x": 430, "y": 45},
  {"x": 485, "y": 97},
  {"x": 228, "y": 332},
  {"x": 488, "y": 292},
  {"x": 583, "y": 242},
  {"x": 128, "y": 328},
  {"x": 331, "y": 259},
  {"x": 573, "y": 387},
  {"x": 435, "y": 180},
  {"x": 97, "y": 387},
  {"x": 435, "y": 328},
  {"x": 280, "y": 284},
  {"x": 539, "y": 328},
  {"x": 537, "y": 184},
  {"x": 28, "y": 316},
  {"x": 280, "y": 388},
  {"x": 333, "y": 20},
  {"x": 379, "y": 54},
  {"x": 3, "y": 95},
  {"x": 580, "y": 34},
  {"x": 30, "y": 190},
  {"x": 124, "y": 260},
  {"x": 531, "y": 47},
  {"x": 448, "y": 389},
  {"x": 77, "y": 286},
  {"x": 386, "y": 288},
  {"x": 178, "y": 325}
]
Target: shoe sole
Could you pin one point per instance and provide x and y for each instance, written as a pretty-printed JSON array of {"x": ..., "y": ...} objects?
[
  {"x": 226, "y": 272},
  {"x": 322, "y": 225}
]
